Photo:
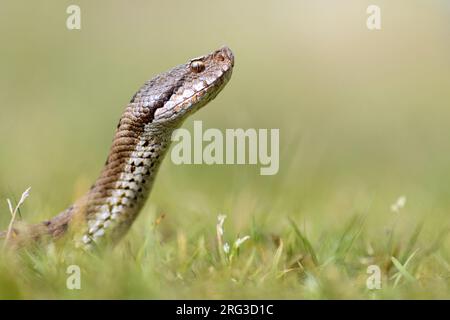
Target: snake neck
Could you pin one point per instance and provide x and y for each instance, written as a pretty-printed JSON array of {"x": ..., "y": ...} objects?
[{"x": 119, "y": 193}]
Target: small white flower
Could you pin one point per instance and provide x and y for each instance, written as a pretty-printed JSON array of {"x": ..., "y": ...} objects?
[
  {"x": 221, "y": 219},
  {"x": 226, "y": 248},
  {"x": 401, "y": 201},
  {"x": 240, "y": 241},
  {"x": 399, "y": 204}
]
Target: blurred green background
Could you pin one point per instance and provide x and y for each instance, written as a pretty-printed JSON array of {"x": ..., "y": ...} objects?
[{"x": 363, "y": 115}]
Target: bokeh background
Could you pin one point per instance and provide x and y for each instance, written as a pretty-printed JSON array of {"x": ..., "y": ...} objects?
[{"x": 363, "y": 115}]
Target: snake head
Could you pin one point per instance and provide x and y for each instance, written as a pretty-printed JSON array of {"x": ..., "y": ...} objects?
[{"x": 170, "y": 97}]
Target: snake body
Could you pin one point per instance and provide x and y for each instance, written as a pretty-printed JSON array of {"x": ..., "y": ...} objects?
[{"x": 141, "y": 140}]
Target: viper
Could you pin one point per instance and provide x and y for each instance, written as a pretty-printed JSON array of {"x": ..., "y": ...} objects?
[{"x": 143, "y": 135}]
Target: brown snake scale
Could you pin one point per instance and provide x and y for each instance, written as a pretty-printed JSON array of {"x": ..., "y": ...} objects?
[{"x": 141, "y": 140}]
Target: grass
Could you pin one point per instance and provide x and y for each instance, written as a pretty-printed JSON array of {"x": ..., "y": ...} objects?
[
  {"x": 286, "y": 263},
  {"x": 14, "y": 211}
]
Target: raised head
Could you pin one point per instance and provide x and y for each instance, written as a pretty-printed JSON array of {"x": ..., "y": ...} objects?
[{"x": 171, "y": 96}]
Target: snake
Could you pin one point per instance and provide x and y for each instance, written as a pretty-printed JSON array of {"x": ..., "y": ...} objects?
[{"x": 143, "y": 135}]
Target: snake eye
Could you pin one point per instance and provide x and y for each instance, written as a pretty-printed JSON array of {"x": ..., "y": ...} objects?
[{"x": 197, "y": 66}]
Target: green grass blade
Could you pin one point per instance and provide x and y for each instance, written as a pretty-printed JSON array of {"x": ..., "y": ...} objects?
[{"x": 306, "y": 244}]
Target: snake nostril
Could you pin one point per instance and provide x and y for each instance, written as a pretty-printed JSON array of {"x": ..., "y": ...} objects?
[
  {"x": 220, "y": 57},
  {"x": 228, "y": 53}
]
